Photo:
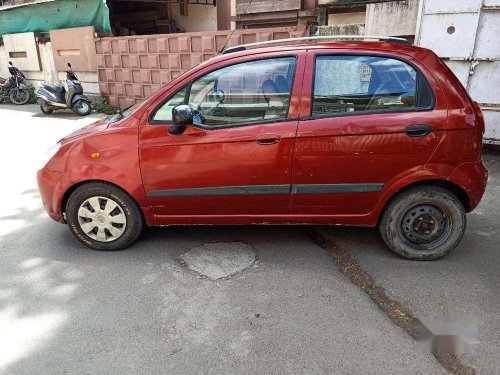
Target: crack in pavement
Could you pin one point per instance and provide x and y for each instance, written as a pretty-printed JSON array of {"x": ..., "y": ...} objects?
[{"x": 399, "y": 314}]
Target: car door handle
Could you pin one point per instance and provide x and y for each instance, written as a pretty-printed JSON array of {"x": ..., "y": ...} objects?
[
  {"x": 418, "y": 130},
  {"x": 268, "y": 139}
]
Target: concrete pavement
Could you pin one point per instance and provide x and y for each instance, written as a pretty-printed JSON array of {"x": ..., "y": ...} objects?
[
  {"x": 67, "y": 309},
  {"x": 465, "y": 284}
]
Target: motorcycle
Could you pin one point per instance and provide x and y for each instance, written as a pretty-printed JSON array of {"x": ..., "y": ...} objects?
[
  {"x": 14, "y": 88},
  {"x": 70, "y": 95}
]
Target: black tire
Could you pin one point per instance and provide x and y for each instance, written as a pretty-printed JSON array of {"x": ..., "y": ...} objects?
[
  {"x": 82, "y": 107},
  {"x": 46, "y": 110},
  {"x": 134, "y": 221},
  {"x": 19, "y": 96},
  {"x": 423, "y": 223}
]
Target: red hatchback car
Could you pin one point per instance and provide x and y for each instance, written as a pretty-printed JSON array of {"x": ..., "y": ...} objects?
[{"x": 351, "y": 133}]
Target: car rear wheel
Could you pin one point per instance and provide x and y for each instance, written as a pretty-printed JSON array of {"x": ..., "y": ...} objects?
[
  {"x": 423, "y": 223},
  {"x": 103, "y": 217}
]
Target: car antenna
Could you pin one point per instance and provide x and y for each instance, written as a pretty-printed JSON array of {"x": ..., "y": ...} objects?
[{"x": 232, "y": 32}]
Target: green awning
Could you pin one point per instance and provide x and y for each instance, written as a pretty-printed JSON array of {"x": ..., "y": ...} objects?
[{"x": 46, "y": 15}]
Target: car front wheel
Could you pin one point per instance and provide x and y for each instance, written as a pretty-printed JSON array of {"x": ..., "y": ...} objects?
[
  {"x": 423, "y": 223},
  {"x": 103, "y": 217}
]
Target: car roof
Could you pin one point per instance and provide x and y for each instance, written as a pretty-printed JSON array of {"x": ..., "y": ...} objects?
[{"x": 354, "y": 46}]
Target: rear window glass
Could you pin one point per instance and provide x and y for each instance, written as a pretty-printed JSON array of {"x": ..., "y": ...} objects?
[{"x": 363, "y": 84}]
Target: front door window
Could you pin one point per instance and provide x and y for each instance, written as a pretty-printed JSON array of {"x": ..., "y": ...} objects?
[{"x": 245, "y": 93}]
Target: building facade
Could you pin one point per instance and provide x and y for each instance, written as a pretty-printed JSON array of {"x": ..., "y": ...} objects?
[{"x": 152, "y": 41}]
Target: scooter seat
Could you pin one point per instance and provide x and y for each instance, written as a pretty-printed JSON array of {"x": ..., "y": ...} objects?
[{"x": 58, "y": 89}]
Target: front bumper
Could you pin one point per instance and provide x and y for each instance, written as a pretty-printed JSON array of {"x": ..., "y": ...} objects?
[
  {"x": 472, "y": 177},
  {"x": 52, "y": 186}
]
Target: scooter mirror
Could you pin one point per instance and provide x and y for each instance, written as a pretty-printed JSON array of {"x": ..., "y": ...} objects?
[
  {"x": 10, "y": 63},
  {"x": 69, "y": 65}
]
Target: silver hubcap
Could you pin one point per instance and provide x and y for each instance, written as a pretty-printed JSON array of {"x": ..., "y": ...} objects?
[
  {"x": 102, "y": 219},
  {"x": 82, "y": 106}
]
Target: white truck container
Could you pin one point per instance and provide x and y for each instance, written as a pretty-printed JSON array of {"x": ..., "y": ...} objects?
[{"x": 466, "y": 35}]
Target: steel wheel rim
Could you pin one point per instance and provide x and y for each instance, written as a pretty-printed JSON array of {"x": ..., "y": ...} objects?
[
  {"x": 426, "y": 227},
  {"x": 102, "y": 219}
]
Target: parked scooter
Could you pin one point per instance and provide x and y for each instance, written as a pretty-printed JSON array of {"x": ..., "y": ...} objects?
[
  {"x": 14, "y": 88},
  {"x": 54, "y": 97}
]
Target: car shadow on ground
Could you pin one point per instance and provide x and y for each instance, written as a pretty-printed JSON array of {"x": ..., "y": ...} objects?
[{"x": 50, "y": 283}]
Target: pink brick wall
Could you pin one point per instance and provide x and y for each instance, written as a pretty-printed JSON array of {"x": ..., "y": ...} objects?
[{"x": 132, "y": 68}]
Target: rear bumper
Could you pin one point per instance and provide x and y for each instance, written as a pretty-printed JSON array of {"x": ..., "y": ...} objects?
[
  {"x": 472, "y": 177},
  {"x": 52, "y": 186}
]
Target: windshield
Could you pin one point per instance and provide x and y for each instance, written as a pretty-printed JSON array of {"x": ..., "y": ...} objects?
[
  {"x": 123, "y": 113},
  {"x": 128, "y": 111}
]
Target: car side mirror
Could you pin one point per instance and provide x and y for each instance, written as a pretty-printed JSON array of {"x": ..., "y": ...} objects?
[{"x": 182, "y": 115}]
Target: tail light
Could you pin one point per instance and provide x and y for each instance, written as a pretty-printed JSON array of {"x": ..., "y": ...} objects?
[
  {"x": 479, "y": 117},
  {"x": 480, "y": 127}
]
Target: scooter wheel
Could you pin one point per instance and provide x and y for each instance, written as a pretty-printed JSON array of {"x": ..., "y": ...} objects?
[
  {"x": 46, "y": 110},
  {"x": 82, "y": 107},
  {"x": 19, "y": 96}
]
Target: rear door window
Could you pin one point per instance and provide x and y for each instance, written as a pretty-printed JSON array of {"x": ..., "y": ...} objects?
[{"x": 344, "y": 84}]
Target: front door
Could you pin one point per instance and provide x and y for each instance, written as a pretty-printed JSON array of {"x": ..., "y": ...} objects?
[
  {"x": 236, "y": 158},
  {"x": 368, "y": 121}
]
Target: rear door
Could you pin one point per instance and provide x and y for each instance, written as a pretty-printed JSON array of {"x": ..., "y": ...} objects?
[
  {"x": 367, "y": 120},
  {"x": 236, "y": 158}
]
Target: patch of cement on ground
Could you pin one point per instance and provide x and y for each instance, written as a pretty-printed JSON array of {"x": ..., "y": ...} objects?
[{"x": 220, "y": 259}]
